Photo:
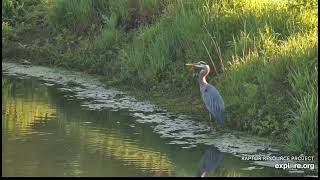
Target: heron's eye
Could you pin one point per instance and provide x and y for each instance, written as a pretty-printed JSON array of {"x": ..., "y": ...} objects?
[{"x": 202, "y": 63}]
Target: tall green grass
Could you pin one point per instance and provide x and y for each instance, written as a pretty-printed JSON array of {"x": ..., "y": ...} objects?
[
  {"x": 263, "y": 54},
  {"x": 13, "y": 11},
  {"x": 76, "y": 15},
  {"x": 304, "y": 133},
  {"x": 106, "y": 19},
  {"x": 260, "y": 42},
  {"x": 16, "y": 17}
]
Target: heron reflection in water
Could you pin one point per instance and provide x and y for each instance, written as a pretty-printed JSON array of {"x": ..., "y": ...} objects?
[{"x": 211, "y": 159}]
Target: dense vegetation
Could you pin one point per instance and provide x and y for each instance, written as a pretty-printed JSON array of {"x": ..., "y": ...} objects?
[{"x": 263, "y": 54}]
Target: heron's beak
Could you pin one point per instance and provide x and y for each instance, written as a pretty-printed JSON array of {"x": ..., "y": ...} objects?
[{"x": 191, "y": 66}]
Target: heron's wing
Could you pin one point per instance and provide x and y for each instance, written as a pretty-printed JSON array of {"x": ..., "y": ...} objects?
[{"x": 214, "y": 102}]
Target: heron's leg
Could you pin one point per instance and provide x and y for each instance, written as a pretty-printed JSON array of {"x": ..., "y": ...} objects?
[{"x": 210, "y": 122}]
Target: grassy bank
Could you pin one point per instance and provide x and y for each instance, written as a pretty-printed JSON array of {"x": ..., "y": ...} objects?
[{"x": 263, "y": 54}]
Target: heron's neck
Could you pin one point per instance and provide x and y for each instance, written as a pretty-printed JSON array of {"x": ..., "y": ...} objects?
[{"x": 202, "y": 76}]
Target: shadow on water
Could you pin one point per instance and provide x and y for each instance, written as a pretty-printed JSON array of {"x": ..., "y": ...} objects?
[{"x": 211, "y": 159}]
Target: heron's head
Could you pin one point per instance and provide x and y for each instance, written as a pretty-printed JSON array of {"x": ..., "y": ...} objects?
[{"x": 200, "y": 64}]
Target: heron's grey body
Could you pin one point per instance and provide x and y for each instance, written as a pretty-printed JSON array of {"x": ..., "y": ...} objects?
[
  {"x": 213, "y": 102},
  {"x": 210, "y": 95}
]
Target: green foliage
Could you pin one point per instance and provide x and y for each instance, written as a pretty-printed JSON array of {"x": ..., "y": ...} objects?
[
  {"x": 119, "y": 9},
  {"x": 7, "y": 32},
  {"x": 16, "y": 17},
  {"x": 76, "y": 15},
  {"x": 260, "y": 40},
  {"x": 262, "y": 53},
  {"x": 12, "y": 10},
  {"x": 16, "y": 11},
  {"x": 304, "y": 133}
]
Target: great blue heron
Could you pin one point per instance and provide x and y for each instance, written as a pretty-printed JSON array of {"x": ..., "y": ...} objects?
[
  {"x": 210, "y": 95},
  {"x": 211, "y": 159}
]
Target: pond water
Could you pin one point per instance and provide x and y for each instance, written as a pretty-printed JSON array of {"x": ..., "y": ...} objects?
[{"x": 47, "y": 130}]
